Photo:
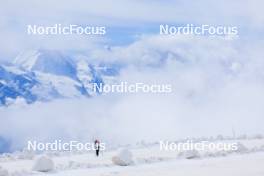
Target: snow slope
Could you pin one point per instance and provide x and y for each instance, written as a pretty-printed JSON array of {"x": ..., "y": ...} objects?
[
  {"x": 148, "y": 161},
  {"x": 47, "y": 61}
]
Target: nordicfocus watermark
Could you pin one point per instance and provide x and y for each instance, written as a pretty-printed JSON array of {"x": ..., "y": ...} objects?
[
  {"x": 59, "y": 29},
  {"x": 191, "y": 29},
  {"x": 199, "y": 146},
  {"x": 59, "y": 145},
  {"x": 125, "y": 87}
]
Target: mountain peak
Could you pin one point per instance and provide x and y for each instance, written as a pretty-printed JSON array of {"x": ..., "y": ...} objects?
[
  {"x": 47, "y": 61},
  {"x": 27, "y": 59}
]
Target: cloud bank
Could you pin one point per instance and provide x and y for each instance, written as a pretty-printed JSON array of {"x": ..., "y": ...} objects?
[{"x": 217, "y": 86}]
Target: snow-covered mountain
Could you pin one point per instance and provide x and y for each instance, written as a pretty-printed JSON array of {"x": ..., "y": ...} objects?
[
  {"x": 46, "y": 61},
  {"x": 16, "y": 83},
  {"x": 43, "y": 75}
]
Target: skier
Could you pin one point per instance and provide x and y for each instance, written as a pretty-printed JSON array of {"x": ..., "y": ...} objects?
[{"x": 97, "y": 147}]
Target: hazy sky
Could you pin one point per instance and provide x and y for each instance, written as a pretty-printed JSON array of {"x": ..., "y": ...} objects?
[{"x": 125, "y": 20}]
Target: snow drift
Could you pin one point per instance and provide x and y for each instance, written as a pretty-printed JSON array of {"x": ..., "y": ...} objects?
[
  {"x": 43, "y": 164},
  {"x": 123, "y": 158},
  {"x": 189, "y": 154},
  {"x": 3, "y": 172}
]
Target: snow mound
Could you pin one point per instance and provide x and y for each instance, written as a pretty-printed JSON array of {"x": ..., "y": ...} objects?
[
  {"x": 25, "y": 154},
  {"x": 189, "y": 154},
  {"x": 3, "y": 172},
  {"x": 43, "y": 164},
  {"x": 241, "y": 148},
  {"x": 123, "y": 158}
]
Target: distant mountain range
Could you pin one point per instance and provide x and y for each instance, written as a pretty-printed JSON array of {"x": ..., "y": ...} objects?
[{"x": 44, "y": 75}]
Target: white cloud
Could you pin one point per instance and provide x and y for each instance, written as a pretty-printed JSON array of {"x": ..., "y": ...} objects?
[{"x": 209, "y": 96}]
